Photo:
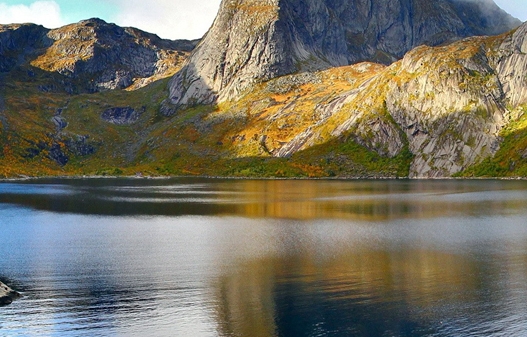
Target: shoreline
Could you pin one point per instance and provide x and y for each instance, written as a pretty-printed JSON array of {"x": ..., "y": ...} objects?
[{"x": 136, "y": 177}]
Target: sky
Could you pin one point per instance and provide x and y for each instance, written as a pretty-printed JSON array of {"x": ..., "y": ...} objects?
[{"x": 170, "y": 19}]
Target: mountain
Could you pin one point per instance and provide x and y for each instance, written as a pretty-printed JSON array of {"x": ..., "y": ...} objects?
[
  {"x": 252, "y": 41},
  {"x": 263, "y": 96},
  {"x": 91, "y": 55},
  {"x": 436, "y": 113}
]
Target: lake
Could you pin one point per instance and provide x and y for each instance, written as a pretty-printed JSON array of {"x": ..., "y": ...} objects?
[{"x": 212, "y": 257}]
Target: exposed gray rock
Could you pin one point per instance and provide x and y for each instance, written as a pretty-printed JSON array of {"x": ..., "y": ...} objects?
[
  {"x": 112, "y": 56},
  {"x": 121, "y": 115},
  {"x": 7, "y": 295},
  {"x": 255, "y": 40},
  {"x": 80, "y": 146},
  {"x": 286, "y": 84},
  {"x": 512, "y": 62},
  {"x": 452, "y": 115},
  {"x": 451, "y": 102},
  {"x": 60, "y": 122},
  {"x": 56, "y": 153},
  {"x": 167, "y": 109}
]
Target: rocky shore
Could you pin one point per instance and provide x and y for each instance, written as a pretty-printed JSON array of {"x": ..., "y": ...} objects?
[{"x": 7, "y": 295}]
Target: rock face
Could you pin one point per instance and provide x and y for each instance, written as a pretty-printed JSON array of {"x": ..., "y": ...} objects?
[
  {"x": 452, "y": 102},
  {"x": 451, "y": 116},
  {"x": 7, "y": 295},
  {"x": 255, "y": 40},
  {"x": 512, "y": 63},
  {"x": 121, "y": 115},
  {"x": 445, "y": 105},
  {"x": 92, "y": 55}
]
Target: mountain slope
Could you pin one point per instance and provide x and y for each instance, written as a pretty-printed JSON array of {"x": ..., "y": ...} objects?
[
  {"x": 91, "y": 55},
  {"x": 448, "y": 106},
  {"x": 255, "y": 40}
]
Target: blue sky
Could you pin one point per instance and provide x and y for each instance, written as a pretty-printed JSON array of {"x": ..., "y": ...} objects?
[{"x": 171, "y": 19}]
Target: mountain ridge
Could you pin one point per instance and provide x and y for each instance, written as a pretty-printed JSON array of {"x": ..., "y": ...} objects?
[
  {"x": 255, "y": 40},
  {"x": 92, "y": 55}
]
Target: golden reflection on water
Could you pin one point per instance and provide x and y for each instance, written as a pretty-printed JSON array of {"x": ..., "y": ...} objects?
[
  {"x": 245, "y": 296},
  {"x": 367, "y": 200},
  {"x": 284, "y": 199},
  {"x": 244, "y": 300}
]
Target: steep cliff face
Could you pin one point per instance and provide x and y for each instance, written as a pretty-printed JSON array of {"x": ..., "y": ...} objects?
[
  {"x": 453, "y": 102},
  {"x": 92, "y": 55},
  {"x": 512, "y": 65},
  {"x": 242, "y": 47},
  {"x": 255, "y": 40},
  {"x": 450, "y": 104}
]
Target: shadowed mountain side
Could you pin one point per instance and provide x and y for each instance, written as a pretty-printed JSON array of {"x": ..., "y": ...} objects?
[
  {"x": 21, "y": 43},
  {"x": 91, "y": 55},
  {"x": 255, "y": 40}
]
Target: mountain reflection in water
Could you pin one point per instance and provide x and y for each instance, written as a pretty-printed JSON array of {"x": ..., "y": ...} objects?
[
  {"x": 304, "y": 199},
  {"x": 199, "y": 257}
]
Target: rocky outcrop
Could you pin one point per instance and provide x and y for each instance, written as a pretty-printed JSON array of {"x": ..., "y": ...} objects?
[
  {"x": 7, "y": 295},
  {"x": 92, "y": 55},
  {"x": 121, "y": 115},
  {"x": 242, "y": 47},
  {"x": 446, "y": 104},
  {"x": 255, "y": 40},
  {"x": 453, "y": 102},
  {"x": 110, "y": 56},
  {"x": 512, "y": 62},
  {"x": 449, "y": 102}
]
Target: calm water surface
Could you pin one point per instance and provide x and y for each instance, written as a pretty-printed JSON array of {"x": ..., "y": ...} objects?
[{"x": 198, "y": 257}]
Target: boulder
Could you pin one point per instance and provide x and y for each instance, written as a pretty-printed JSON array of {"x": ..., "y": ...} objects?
[
  {"x": 7, "y": 295},
  {"x": 121, "y": 115}
]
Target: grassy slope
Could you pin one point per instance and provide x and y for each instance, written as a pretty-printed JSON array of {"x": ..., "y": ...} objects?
[{"x": 197, "y": 141}]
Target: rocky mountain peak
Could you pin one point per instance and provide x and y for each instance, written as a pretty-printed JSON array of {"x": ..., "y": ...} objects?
[
  {"x": 254, "y": 40},
  {"x": 92, "y": 55},
  {"x": 112, "y": 57}
]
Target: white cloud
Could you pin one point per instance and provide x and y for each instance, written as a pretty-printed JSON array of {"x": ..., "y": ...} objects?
[
  {"x": 171, "y": 19},
  {"x": 46, "y": 13}
]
